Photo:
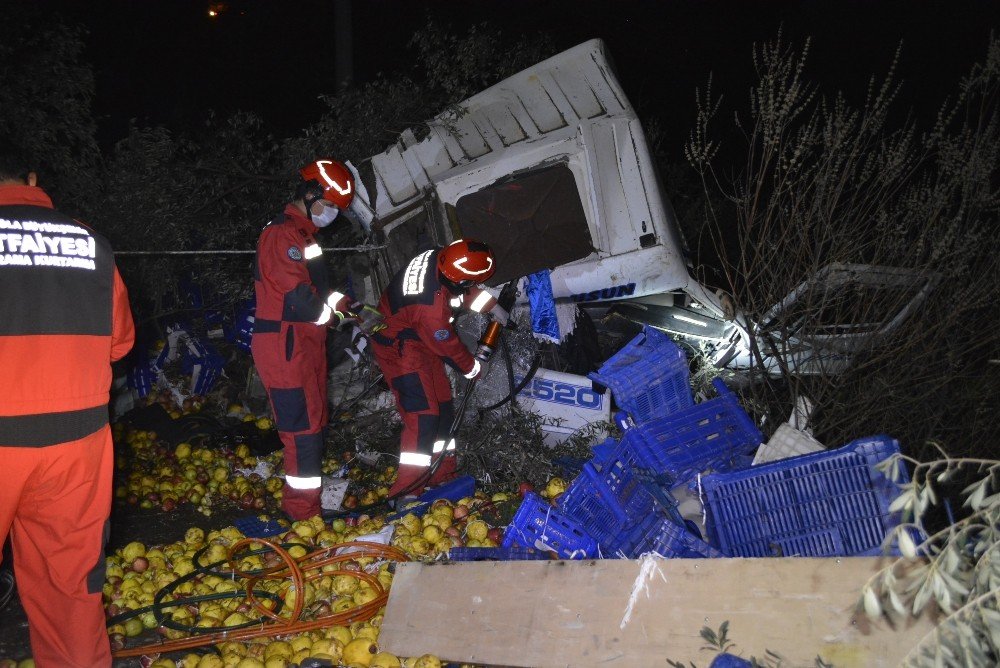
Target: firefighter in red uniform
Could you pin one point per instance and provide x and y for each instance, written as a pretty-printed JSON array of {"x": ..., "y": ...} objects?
[
  {"x": 294, "y": 308},
  {"x": 64, "y": 317},
  {"x": 417, "y": 306}
]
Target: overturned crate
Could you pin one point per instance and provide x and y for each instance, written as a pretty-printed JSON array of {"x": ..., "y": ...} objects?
[
  {"x": 827, "y": 503},
  {"x": 649, "y": 376}
]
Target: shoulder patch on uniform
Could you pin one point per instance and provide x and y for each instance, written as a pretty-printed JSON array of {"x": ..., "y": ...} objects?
[
  {"x": 442, "y": 334},
  {"x": 295, "y": 253}
]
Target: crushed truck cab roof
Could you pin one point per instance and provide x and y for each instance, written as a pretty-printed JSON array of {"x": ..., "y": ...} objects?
[{"x": 551, "y": 168}]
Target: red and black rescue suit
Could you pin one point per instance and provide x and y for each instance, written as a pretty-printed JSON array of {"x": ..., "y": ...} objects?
[
  {"x": 418, "y": 337},
  {"x": 289, "y": 349}
]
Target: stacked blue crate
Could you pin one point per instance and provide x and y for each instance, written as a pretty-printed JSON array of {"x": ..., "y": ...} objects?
[
  {"x": 692, "y": 440},
  {"x": 830, "y": 503},
  {"x": 621, "y": 496},
  {"x": 240, "y": 332},
  {"x": 141, "y": 376},
  {"x": 648, "y": 377},
  {"x": 629, "y": 512},
  {"x": 205, "y": 365},
  {"x": 589, "y": 501}
]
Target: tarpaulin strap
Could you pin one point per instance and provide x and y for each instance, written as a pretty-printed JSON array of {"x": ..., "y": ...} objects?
[{"x": 544, "y": 321}]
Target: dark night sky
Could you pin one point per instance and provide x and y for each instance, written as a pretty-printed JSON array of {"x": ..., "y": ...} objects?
[{"x": 165, "y": 61}]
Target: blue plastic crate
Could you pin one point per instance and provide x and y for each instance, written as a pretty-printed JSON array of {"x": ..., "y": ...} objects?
[
  {"x": 589, "y": 501},
  {"x": 705, "y": 436},
  {"x": 141, "y": 377},
  {"x": 614, "y": 499},
  {"x": 453, "y": 490},
  {"x": 649, "y": 376},
  {"x": 539, "y": 525},
  {"x": 254, "y": 527},
  {"x": 569, "y": 466},
  {"x": 830, "y": 503},
  {"x": 498, "y": 554},
  {"x": 808, "y": 544},
  {"x": 640, "y": 491},
  {"x": 655, "y": 496},
  {"x": 618, "y": 471},
  {"x": 664, "y": 537},
  {"x": 602, "y": 452}
]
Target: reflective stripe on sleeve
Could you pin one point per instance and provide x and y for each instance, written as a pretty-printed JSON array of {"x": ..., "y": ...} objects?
[
  {"x": 334, "y": 299},
  {"x": 311, "y": 251},
  {"x": 325, "y": 316},
  {"x": 414, "y": 459},
  {"x": 303, "y": 483},
  {"x": 479, "y": 303}
]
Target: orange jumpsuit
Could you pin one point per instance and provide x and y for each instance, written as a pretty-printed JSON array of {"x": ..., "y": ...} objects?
[{"x": 65, "y": 318}]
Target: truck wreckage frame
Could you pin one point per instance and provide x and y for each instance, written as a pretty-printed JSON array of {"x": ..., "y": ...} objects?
[{"x": 552, "y": 169}]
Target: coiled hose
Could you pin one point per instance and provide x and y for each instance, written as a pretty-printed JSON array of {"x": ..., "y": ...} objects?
[{"x": 270, "y": 622}]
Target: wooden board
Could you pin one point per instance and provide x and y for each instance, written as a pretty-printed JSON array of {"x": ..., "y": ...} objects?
[{"x": 639, "y": 612}]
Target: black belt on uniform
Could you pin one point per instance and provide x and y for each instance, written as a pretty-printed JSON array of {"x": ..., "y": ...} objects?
[
  {"x": 381, "y": 339},
  {"x": 408, "y": 334},
  {"x": 262, "y": 326}
]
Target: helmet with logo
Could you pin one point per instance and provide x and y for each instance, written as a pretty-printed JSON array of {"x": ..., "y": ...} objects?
[
  {"x": 326, "y": 179},
  {"x": 466, "y": 262}
]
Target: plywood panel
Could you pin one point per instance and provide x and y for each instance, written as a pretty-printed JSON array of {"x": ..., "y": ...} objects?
[{"x": 638, "y": 613}]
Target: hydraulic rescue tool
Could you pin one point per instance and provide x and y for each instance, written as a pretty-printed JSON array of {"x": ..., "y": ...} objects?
[{"x": 484, "y": 351}]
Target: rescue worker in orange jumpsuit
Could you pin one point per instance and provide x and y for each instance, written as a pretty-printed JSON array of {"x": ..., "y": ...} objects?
[
  {"x": 64, "y": 317},
  {"x": 418, "y": 339},
  {"x": 294, "y": 308}
]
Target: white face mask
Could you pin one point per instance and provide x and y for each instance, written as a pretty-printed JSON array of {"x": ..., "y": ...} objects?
[{"x": 326, "y": 216}]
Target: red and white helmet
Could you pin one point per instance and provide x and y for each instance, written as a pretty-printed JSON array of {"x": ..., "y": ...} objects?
[
  {"x": 332, "y": 178},
  {"x": 466, "y": 261}
]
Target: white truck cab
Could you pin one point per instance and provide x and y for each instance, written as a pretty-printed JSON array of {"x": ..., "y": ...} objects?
[{"x": 552, "y": 169}]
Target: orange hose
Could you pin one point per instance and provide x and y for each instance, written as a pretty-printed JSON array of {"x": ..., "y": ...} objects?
[{"x": 296, "y": 569}]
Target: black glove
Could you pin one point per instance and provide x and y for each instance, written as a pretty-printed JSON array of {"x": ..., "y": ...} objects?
[
  {"x": 507, "y": 296},
  {"x": 505, "y": 302}
]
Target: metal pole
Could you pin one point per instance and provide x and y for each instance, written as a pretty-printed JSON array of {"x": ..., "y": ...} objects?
[{"x": 343, "y": 45}]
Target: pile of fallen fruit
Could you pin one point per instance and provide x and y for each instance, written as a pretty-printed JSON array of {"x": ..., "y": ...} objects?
[{"x": 218, "y": 597}]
